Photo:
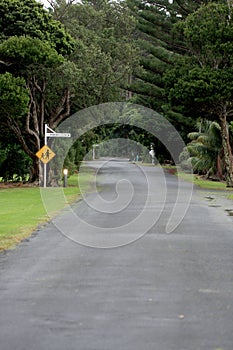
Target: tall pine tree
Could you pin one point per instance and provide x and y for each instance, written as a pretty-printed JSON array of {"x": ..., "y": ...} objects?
[{"x": 159, "y": 47}]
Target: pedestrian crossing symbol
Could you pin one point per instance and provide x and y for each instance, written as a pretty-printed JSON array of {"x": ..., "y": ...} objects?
[{"x": 45, "y": 154}]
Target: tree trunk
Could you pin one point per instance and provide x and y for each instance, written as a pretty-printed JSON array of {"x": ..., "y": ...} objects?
[
  {"x": 35, "y": 170},
  {"x": 226, "y": 149},
  {"x": 219, "y": 167}
]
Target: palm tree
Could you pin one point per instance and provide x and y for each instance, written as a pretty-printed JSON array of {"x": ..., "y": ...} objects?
[{"x": 205, "y": 149}]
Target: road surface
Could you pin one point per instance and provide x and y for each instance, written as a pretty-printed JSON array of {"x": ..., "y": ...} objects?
[{"x": 155, "y": 291}]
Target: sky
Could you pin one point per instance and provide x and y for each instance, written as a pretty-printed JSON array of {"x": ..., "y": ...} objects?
[{"x": 45, "y": 2}]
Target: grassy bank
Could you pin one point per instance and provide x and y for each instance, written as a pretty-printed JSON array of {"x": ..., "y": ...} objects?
[
  {"x": 198, "y": 180},
  {"x": 22, "y": 209}
]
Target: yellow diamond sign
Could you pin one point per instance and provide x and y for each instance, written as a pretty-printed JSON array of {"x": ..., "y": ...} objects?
[{"x": 45, "y": 154}]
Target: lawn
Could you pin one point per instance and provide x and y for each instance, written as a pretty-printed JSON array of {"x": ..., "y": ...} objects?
[
  {"x": 198, "y": 180},
  {"x": 22, "y": 209}
]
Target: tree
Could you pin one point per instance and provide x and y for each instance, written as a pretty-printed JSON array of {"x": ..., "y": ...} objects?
[
  {"x": 205, "y": 150},
  {"x": 30, "y": 58},
  {"x": 202, "y": 80},
  {"x": 14, "y": 162},
  {"x": 28, "y": 18},
  {"x": 155, "y": 37},
  {"x": 32, "y": 47},
  {"x": 104, "y": 53},
  {"x": 159, "y": 48},
  {"x": 14, "y": 97}
]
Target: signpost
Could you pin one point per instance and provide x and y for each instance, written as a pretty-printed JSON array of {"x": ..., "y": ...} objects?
[{"x": 45, "y": 154}]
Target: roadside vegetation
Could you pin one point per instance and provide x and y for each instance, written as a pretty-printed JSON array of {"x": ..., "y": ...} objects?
[
  {"x": 22, "y": 210},
  {"x": 174, "y": 57},
  {"x": 199, "y": 180},
  {"x": 203, "y": 183}
]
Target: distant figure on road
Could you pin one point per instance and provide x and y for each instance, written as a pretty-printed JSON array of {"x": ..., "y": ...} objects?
[{"x": 152, "y": 154}]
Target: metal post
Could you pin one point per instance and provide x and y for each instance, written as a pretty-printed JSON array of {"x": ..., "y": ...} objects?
[
  {"x": 45, "y": 165},
  {"x": 65, "y": 181},
  {"x": 65, "y": 173}
]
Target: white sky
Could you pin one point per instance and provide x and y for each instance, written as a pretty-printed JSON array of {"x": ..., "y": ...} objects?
[{"x": 45, "y": 2}]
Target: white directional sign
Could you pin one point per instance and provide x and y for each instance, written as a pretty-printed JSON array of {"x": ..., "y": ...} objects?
[
  {"x": 51, "y": 133},
  {"x": 58, "y": 134}
]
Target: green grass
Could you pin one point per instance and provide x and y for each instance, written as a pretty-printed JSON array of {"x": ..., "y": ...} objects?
[
  {"x": 21, "y": 212},
  {"x": 200, "y": 182},
  {"x": 22, "y": 209},
  {"x": 197, "y": 180}
]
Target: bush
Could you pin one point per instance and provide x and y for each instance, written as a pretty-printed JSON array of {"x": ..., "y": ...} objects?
[{"x": 14, "y": 164}]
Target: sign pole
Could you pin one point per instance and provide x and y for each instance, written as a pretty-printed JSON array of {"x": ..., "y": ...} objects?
[
  {"x": 45, "y": 154},
  {"x": 45, "y": 164}
]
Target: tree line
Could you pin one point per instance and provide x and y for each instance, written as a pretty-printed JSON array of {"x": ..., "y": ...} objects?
[{"x": 172, "y": 56}]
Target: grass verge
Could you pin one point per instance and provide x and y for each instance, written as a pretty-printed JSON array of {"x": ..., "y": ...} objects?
[
  {"x": 199, "y": 181},
  {"x": 22, "y": 209}
]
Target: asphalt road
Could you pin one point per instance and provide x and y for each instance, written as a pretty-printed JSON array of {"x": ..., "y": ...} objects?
[{"x": 154, "y": 291}]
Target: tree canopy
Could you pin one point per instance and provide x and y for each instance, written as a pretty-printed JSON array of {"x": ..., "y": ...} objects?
[
  {"x": 202, "y": 80},
  {"x": 172, "y": 56},
  {"x": 69, "y": 60},
  {"x": 29, "y": 18}
]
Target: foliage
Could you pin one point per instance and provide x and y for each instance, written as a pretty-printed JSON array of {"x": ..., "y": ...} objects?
[
  {"x": 80, "y": 149},
  {"x": 14, "y": 96},
  {"x": 28, "y": 18},
  {"x": 32, "y": 59},
  {"x": 105, "y": 56},
  {"x": 204, "y": 75},
  {"x": 204, "y": 150},
  {"x": 14, "y": 164},
  {"x": 105, "y": 52},
  {"x": 84, "y": 53},
  {"x": 26, "y": 54},
  {"x": 30, "y": 50},
  {"x": 70, "y": 57},
  {"x": 152, "y": 31},
  {"x": 159, "y": 47},
  {"x": 201, "y": 82}
]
